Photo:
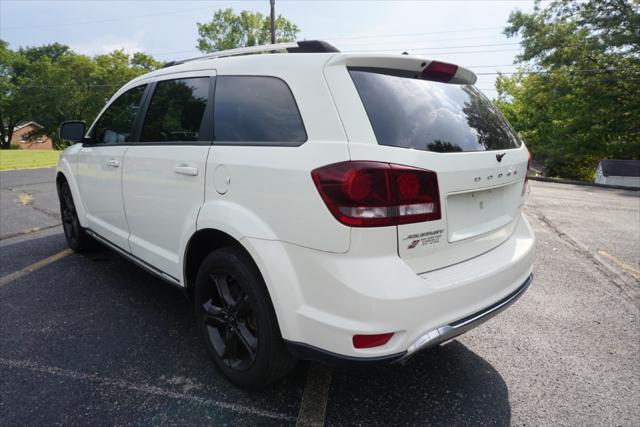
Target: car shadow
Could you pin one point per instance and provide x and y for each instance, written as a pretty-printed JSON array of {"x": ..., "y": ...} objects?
[
  {"x": 448, "y": 385},
  {"x": 101, "y": 314}
]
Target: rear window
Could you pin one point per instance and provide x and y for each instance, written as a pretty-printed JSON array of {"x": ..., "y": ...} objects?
[
  {"x": 256, "y": 110},
  {"x": 431, "y": 116}
]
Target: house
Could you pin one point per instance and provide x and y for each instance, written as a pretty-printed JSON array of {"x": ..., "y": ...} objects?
[
  {"x": 619, "y": 172},
  {"x": 21, "y": 136},
  {"x": 537, "y": 168}
]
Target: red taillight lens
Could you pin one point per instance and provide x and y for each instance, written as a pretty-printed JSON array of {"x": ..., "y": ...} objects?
[
  {"x": 439, "y": 72},
  {"x": 368, "y": 341},
  {"x": 375, "y": 194}
]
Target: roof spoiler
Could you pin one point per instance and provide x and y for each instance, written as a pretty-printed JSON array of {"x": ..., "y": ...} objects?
[{"x": 408, "y": 66}]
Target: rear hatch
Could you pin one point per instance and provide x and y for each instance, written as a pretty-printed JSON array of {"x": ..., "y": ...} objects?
[{"x": 428, "y": 115}]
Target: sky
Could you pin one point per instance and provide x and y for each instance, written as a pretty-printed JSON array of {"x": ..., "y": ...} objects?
[{"x": 464, "y": 32}]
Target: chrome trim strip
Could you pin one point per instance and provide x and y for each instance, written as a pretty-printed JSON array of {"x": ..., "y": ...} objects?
[
  {"x": 452, "y": 330},
  {"x": 137, "y": 261}
]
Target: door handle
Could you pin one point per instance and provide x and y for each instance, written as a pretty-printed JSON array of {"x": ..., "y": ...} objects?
[
  {"x": 113, "y": 163},
  {"x": 184, "y": 169}
]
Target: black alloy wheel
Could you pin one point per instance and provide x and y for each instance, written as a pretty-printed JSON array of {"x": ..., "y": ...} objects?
[
  {"x": 77, "y": 238},
  {"x": 237, "y": 320},
  {"x": 230, "y": 322}
]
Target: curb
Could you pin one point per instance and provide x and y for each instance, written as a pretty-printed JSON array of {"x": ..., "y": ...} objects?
[{"x": 584, "y": 183}]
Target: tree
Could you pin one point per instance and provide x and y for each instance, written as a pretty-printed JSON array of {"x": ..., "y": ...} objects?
[
  {"x": 228, "y": 30},
  {"x": 575, "y": 98},
  {"x": 13, "y": 107},
  {"x": 51, "y": 84},
  {"x": 143, "y": 62}
]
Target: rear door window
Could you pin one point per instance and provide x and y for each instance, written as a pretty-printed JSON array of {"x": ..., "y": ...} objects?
[
  {"x": 176, "y": 110},
  {"x": 431, "y": 116},
  {"x": 256, "y": 110},
  {"x": 115, "y": 126}
]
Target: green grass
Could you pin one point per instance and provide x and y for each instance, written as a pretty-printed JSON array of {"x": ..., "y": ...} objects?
[{"x": 28, "y": 159}]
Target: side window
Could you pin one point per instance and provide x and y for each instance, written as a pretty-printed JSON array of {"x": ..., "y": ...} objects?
[
  {"x": 256, "y": 109},
  {"x": 176, "y": 109},
  {"x": 115, "y": 126}
]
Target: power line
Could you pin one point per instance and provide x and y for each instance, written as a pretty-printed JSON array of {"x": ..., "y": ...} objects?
[
  {"x": 173, "y": 52},
  {"x": 419, "y": 40},
  {"x": 375, "y": 50},
  {"x": 409, "y": 34},
  {"x": 442, "y": 47},
  {"x": 436, "y": 53}
]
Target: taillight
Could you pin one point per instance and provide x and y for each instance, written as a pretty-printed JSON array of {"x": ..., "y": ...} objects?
[
  {"x": 526, "y": 176},
  {"x": 375, "y": 194},
  {"x": 439, "y": 72},
  {"x": 369, "y": 341}
]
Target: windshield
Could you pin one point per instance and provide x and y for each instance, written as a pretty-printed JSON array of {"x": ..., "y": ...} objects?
[{"x": 432, "y": 116}]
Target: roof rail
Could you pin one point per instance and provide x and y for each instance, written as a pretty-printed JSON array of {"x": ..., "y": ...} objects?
[{"x": 303, "y": 46}]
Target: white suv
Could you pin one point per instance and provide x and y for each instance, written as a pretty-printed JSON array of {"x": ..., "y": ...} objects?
[{"x": 315, "y": 205}]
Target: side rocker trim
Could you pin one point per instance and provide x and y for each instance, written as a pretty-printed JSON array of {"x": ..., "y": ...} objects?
[{"x": 137, "y": 261}]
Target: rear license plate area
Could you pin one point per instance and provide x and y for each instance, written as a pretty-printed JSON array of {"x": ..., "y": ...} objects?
[{"x": 471, "y": 214}]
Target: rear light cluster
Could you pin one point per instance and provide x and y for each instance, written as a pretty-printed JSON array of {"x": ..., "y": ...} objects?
[
  {"x": 376, "y": 194},
  {"x": 526, "y": 176}
]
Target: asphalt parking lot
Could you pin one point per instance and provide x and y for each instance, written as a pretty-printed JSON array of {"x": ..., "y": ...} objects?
[{"x": 95, "y": 340}]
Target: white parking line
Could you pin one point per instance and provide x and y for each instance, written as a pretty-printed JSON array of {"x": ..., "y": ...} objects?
[
  {"x": 314, "y": 398},
  {"x": 141, "y": 388}
]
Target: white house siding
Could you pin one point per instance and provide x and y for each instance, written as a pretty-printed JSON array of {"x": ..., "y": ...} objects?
[
  {"x": 600, "y": 179},
  {"x": 626, "y": 181}
]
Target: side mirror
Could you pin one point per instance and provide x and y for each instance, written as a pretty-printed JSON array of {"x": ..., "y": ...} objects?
[{"x": 73, "y": 130}]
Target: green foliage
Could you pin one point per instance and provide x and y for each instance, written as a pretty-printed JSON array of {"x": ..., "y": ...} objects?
[
  {"x": 576, "y": 97},
  {"x": 13, "y": 106},
  {"x": 50, "y": 84},
  {"x": 228, "y": 31}
]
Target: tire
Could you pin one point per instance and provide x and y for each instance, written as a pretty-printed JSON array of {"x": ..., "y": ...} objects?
[
  {"x": 237, "y": 320},
  {"x": 77, "y": 238}
]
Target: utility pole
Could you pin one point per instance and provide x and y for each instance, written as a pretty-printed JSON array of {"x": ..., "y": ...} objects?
[{"x": 273, "y": 21}]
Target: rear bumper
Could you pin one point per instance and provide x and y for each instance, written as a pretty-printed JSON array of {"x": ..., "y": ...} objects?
[
  {"x": 428, "y": 340},
  {"x": 323, "y": 299},
  {"x": 459, "y": 327}
]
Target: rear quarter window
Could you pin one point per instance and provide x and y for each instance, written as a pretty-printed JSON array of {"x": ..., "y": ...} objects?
[
  {"x": 431, "y": 116},
  {"x": 256, "y": 110}
]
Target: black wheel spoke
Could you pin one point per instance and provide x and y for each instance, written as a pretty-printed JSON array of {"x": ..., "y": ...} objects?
[
  {"x": 230, "y": 346},
  {"x": 242, "y": 307},
  {"x": 248, "y": 340},
  {"x": 213, "y": 315},
  {"x": 222, "y": 285}
]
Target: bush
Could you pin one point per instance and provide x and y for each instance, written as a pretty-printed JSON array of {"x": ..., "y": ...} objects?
[{"x": 15, "y": 147}]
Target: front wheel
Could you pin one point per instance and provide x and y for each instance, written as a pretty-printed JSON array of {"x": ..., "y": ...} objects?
[
  {"x": 77, "y": 238},
  {"x": 237, "y": 320}
]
